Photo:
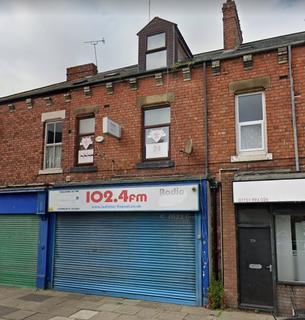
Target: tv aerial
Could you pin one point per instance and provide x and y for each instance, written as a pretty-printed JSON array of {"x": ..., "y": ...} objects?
[{"x": 94, "y": 43}]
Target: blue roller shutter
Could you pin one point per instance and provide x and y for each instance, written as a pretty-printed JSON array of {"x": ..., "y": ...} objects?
[{"x": 141, "y": 255}]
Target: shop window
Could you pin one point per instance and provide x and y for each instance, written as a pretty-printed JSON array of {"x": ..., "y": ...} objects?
[
  {"x": 290, "y": 246},
  {"x": 85, "y": 139},
  {"x": 53, "y": 145},
  {"x": 156, "y": 53},
  {"x": 156, "y": 133}
]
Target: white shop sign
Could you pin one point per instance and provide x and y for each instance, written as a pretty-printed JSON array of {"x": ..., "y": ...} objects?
[
  {"x": 178, "y": 197},
  {"x": 289, "y": 190},
  {"x": 111, "y": 127}
]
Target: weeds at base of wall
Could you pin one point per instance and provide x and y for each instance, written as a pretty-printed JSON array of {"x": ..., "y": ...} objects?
[{"x": 216, "y": 294}]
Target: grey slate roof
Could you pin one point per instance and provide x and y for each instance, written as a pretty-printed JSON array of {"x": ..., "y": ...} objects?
[{"x": 132, "y": 71}]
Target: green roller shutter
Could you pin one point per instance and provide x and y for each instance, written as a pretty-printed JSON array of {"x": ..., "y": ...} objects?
[{"x": 18, "y": 250}]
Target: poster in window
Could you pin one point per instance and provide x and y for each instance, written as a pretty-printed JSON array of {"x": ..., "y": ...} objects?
[
  {"x": 85, "y": 152},
  {"x": 156, "y": 144}
]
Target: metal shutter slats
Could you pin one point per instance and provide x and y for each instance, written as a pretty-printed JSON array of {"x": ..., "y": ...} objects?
[
  {"x": 18, "y": 250},
  {"x": 148, "y": 255}
]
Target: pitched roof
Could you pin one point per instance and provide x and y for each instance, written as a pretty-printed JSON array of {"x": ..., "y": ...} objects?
[
  {"x": 154, "y": 21},
  {"x": 132, "y": 71}
]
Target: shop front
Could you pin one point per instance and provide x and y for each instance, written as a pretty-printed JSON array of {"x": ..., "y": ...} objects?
[
  {"x": 143, "y": 241},
  {"x": 23, "y": 236},
  {"x": 271, "y": 243}
]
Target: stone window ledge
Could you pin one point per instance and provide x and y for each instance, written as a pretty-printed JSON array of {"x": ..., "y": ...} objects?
[
  {"x": 83, "y": 169},
  {"x": 51, "y": 171},
  {"x": 252, "y": 157},
  {"x": 155, "y": 164}
]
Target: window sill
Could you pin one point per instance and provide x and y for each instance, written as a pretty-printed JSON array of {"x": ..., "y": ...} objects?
[
  {"x": 252, "y": 157},
  {"x": 83, "y": 169},
  {"x": 291, "y": 283},
  {"x": 155, "y": 164},
  {"x": 51, "y": 171}
]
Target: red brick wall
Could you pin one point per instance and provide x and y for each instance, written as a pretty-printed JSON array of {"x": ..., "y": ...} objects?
[
  {"x": 228, "y": 239},
  {"x": 21, "y": 146},
  {"x": 284, "y": 294},
  {"x": 222, "y": 137}
]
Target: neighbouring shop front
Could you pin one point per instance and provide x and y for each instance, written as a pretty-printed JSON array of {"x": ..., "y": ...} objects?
[
  {"x": 271, "y": 242},
  {"x": 23, "y": 234},
  {"x": 145, "y": 241}
]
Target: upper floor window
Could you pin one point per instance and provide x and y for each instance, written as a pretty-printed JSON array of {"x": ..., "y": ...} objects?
[
  {"x": 85, "y": 139},
  {"x": 156, "y": 133},
  {"x": 53, "y": 145},
  {"x": 156, "y": 53},
  {"x": 156, "y": 41},
  {"x": 251, "y": 123}
]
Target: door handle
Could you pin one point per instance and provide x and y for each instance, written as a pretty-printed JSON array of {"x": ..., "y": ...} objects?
[{"x": 269, "y": 267}]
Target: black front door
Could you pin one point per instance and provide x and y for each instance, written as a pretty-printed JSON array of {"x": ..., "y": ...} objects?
[{"x": 255, "y": 267}]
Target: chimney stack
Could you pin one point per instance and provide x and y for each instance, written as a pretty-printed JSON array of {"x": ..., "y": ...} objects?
[
  {"x": 232, "y": 34},
  {"x": 82, "y": 71}
]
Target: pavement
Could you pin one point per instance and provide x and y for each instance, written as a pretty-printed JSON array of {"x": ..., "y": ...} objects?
[{"x": 31, "y": 304}]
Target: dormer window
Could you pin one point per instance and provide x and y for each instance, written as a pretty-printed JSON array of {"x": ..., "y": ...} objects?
[
  {"x": 156, "y": 53},
  {"x": 161, "y": 45}
]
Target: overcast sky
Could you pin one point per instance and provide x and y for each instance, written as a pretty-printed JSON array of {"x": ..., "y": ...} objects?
[{"x": 41, "y": 38}]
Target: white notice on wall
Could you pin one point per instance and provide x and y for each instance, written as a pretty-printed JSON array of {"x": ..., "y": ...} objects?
[
  {"x": 85, "y": 156},
  {"x": 157, "y": 150}
]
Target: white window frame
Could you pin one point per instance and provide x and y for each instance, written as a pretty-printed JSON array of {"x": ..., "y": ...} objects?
[
  {"x": 255, "y": 153},
  {"x": 50, "y": 145}
]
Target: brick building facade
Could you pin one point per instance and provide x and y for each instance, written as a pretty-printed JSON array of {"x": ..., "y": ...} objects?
[{"x": 232, "y": 117}]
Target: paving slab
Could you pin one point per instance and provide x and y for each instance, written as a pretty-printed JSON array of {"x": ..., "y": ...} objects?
[
  {"x": 6, "y": 310},
  {"x": 198, "y": 310},
  {"x": 84, "y": 314},
  {"x": 168, "y": 306},
  {"x": 64, "y": 311},
  {"x": 109, "y": 307},
  {"x": 200, "y": 317},
  {"x": 172, "y": 315},
  {"x": 148, "y": 313},
  {"x": 128, "y": 309},
  {"x": 238, "y": 315},
  {"x": 30, "y": 304},
  {"x": 40, "y": 316},
  {"x": 131, "y": 302},
  {"x": 127, "y": 317},
  {"x": 35, "y": 297},
  {"x": 106, "y": 315},
  {"x": 19, "y": 315},
  {"x": 112, "y": 300},
  {"x": 92, "y": 298}
]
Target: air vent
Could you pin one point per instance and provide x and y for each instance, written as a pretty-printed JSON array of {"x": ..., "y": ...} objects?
[
  {"x": 282, "y": 55},
  {"x": 216, "y": 67},
  {"x": 248, "y": 61}
]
